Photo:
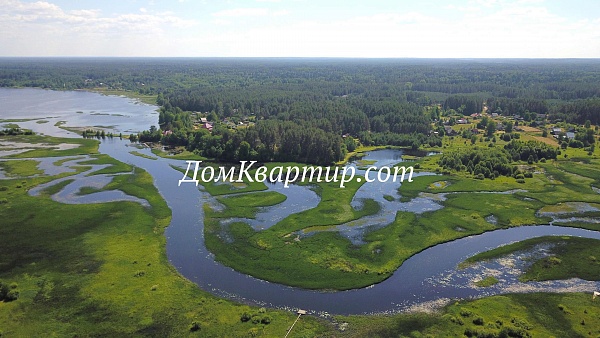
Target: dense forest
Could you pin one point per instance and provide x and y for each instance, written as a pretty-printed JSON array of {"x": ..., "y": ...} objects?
[{"x": 315, "y": 110}]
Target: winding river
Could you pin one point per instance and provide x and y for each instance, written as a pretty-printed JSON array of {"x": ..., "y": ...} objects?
[{"x": 427, "y": 278}]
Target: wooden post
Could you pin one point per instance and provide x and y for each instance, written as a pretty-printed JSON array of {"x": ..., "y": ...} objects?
[{"x": 300, "y": 313}]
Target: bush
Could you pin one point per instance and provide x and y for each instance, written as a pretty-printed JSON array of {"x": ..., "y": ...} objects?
[
  {"x": 195, "y": 327},
  {"x": 510, "y": 331},
  {"x": 520, "y": 180},
  {"x": 478, "y": 321},
  {"x": 11, "y": 295},
  {"x": 528, "y": 175},
  {"x": 520, "y": 176},
  {"x": 466, "y": 313},
  {"x": 480, "y": 176},
  {"x": 3, "y": 200},
  {"x": 266, "y": 320},
  {"x": 3, "y": 188},
  {"x": 245, "y": 317}
]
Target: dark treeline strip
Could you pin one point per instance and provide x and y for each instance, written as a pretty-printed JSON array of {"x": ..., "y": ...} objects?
[{"x": 381, "y": 102}]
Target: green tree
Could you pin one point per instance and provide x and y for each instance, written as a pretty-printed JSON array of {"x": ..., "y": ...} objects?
[
  {"x": 490, "y": 129},
  {"x": 244, "y": 151}
]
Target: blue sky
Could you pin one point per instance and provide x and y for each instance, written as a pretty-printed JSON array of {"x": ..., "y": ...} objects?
[{"x": 302, "y": 28}]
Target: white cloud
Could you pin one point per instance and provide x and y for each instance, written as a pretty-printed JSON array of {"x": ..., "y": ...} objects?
[
  {"x": 511, "y": 29},
  {"x": 248, "y": 12},
  {"x": 482, "y": 28},
  {"x": 42, "y": 28}
]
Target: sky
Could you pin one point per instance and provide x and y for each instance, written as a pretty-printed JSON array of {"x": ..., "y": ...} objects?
[{"x": 302, "y": 28}]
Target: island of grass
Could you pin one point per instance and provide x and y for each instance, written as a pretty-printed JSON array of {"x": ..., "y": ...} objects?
[{"x": 568, "y": 257}]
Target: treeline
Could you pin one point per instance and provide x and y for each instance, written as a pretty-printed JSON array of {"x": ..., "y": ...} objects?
[
  {"x": 579, "y": 111},
  {"x": 383, "y": 102},
  {"x": 491, "y": 162},
  {"x": 90, "y": 133},
  {"x": 517, "y": 106},
  {"x": 464, "y": 104},
  {"x": 268, "y": 140},
  {"x": 15, "y": 131}
]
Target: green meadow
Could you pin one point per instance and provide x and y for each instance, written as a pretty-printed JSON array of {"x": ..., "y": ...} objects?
[
  {"x": 470, "y": 206},
  {"x": 568, "y": 257},
  {"x": 101, "y": 269}
]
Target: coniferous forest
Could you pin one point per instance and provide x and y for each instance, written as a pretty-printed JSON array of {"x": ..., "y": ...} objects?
[{"x": 316, "y": 110}]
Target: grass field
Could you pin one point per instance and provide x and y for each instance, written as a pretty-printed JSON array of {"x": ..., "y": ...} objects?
[
  {"x": 569, "y": 257},
  {"x": 101, "y": 269},
  {"x": 468, "y": 202},
  {"x": 513, "y": 315}
]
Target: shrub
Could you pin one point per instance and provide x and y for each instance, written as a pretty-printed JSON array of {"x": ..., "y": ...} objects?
[
  {"x": 478, "y": 321},
  {"x": 466, "y": 313},
  {"x": 3, "y": 188},
  {"x": 245, "y": 317},
  {"x": 528, "y": 174},
  {"x": 11, "y": 295},
  {"x": 510, "y": 331},
  {"x": 195, "y": 326},
  {"x": 520, "y": 180},
  {"x": 3, "y": 200},
  {"x": 266, "y": 320}
]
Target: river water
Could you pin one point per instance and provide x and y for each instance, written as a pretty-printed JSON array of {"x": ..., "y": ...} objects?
[{"x": 426, "y": 279}]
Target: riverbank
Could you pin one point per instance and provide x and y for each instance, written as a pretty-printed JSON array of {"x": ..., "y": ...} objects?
[{"x": 101, "y": 269}]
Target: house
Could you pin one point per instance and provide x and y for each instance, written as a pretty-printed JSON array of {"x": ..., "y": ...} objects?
[
  {"x": 449, "y": 131},
  {"x": 556, "y": 131},
  {"x": 500, "y": 126},
  {"x": 203, "y": 120},
  {"x": 462, "y": 121},
  {"x": 494, "y": 114},
  {"x": 207, "y": 126},
  {"x": 570, "y": 135}
]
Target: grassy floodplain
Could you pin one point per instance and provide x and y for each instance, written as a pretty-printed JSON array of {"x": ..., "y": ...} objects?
[
  {"x": 513, "y": 315},
  {"x": 101, "y": 269},
  {"x": 89, "y": 273},
  {"x": 471, "y": 206},
  {"x": 568, "y": 257}
]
